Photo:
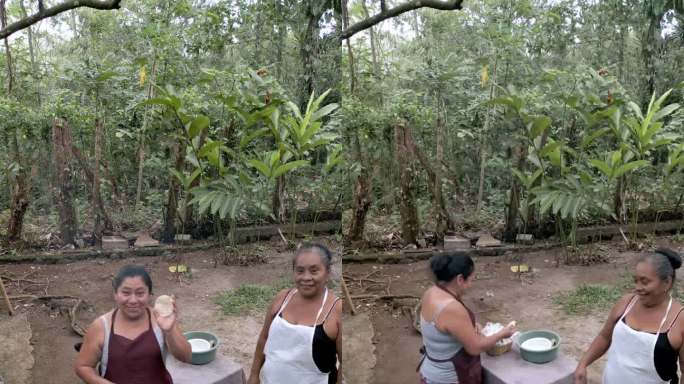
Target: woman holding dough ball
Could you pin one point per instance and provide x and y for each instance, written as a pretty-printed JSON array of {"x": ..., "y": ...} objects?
[
  {"x": 302, "y": 335},
  {"x": 130, "y": 341},
  {"x": 451, "y": 339}
]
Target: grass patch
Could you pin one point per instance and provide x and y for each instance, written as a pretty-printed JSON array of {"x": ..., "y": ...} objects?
[
  {"x": 586, "y": 299},
  {"x": 249, "y": 298}
]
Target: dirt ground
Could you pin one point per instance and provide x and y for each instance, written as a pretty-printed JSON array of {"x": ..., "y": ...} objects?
[
  {"x": 53, "y": 339},
  {"x": 497, "y": 295}
]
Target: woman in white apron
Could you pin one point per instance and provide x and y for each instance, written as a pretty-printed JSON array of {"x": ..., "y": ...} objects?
[
  {"x": 643, "y": 334},
  {"x": 302, "y": 333}
]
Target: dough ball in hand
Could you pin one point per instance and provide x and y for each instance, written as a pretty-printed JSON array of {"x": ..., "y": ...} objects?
[{"x": 164, "y": 305}]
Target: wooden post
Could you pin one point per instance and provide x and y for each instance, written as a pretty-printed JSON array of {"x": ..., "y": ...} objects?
[
  {"x": 348, "y": 297},
  {"x": 7, "y": 300}
]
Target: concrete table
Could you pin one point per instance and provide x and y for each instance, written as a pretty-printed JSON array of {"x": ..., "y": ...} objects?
[
  {"x": 510, "y": 368},
  {"x": 220, "y": 371}
]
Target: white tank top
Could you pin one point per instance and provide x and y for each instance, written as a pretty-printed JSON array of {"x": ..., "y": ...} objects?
[{"x": 630, "y": 357}]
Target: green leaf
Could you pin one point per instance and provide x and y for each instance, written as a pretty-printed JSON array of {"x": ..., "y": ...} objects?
[
  {"x": 287, "y": 167},
  {"x": 192, "y": 178},
  {"x": 261, "y": 167},
  {"x": 621, "y": 170},
  {"x": 197, "y": 126},
  {"x": 665, "y": 112},
  {"x": 602, "y": 166},
  {"x": 324, "y": 111},
  {"x": 209, "y": 147},
  {"x": 161, "y": 101},
  {"x": 257, "y": 133},
  {"x": 586, "y": 141},
  {"x": 104, "y": 76},
  {"x": 539, "y": 125}
]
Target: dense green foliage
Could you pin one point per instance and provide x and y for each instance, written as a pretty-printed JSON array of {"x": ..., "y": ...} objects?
[
  {"x": 555, "y": 113},
  {"x": 227, "y": 83}
]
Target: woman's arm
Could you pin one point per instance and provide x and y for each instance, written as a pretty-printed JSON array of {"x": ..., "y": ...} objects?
[
  {"x": 259, "y": 356},
  {"x": 602, "y": 341},
  {"x": 178, "y": 344},
  {"x": 90, "y": 353},
  {"x": 175, "y": 340},
  {"x": 457, "y": 322}
]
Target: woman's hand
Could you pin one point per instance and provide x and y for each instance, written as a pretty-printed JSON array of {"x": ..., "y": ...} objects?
[
  {"x": 508, "y": 331},
  {"x": 166, "y": 323},
  {"x": 253, "y": 379},
  {"x": 581, "y": 375}
]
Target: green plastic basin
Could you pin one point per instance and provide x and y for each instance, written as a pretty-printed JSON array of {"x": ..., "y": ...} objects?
[
  {"x": 537, "y": 356},
  {"x": 204, "y": 357}
]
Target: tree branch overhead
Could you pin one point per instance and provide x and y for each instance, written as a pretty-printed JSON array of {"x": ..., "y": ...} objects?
[
  {"x": 44, "y": 13},
  {"x": 388, "y": 13}
]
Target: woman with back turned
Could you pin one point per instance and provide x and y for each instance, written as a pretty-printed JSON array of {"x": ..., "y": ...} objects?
[{"x": 451, "y": 339}]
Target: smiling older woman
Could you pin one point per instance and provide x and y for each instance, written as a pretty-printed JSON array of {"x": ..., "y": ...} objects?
[
  {"x": 644, "y": 332},
  {"x": 129, "y": 342},
  {"x": 302, "y": 335}
]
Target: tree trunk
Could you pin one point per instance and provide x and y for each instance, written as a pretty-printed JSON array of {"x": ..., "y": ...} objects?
[
  {"x": 141, "y": 140},
  {"x": 8, "y": 53},
  {"x": 362, "y": 202},
  {"x": 374, "y": 52},
  {"x": 30, "y": 39},
  {"x": 648, "y": 48},
  {"x": 350, "y": 53},
  {"x": 278, "y": 196},
  {"x": 98, "y": 206},
  {"x": 410, "y": 225},
  {"x": 169, "y": 231},
  {"x": 20, "y": 203},
  {"x": 64, "y": 188},
  {"x": 307, "y": 51},
  {"x": 512, "y": 212},
  {"x": 442, "y": 217},
  {"x": 619, "y": 201},
  {"x": 483, "y": 144}
]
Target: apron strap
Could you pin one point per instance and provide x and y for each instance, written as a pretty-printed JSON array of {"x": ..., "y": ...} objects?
[
  {"x": 631, "y": 303},
  {"x": 320, "y": 310},
  {"x": 286, "y": 301}
]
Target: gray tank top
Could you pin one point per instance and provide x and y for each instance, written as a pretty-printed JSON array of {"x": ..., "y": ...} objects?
[{"x": 440, "y": 346}]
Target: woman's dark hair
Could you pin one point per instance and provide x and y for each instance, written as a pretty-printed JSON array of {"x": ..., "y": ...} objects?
[
  {"x": 665, "y": 261},
  {"x": 132, "y": 271},
  {"x": 448, "y": 267},
  {"x": 321, "y": 250}
]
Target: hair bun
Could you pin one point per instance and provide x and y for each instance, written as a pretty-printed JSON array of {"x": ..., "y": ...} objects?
[
  {"x": 438, "y": 264},
  {"x": 672, "y": 256}
]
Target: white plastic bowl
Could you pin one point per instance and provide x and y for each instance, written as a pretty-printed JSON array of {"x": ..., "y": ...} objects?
[{"x": 199, "y": 345}]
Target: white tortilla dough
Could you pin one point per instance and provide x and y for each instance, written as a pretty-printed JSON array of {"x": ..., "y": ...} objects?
[{"x": 164, "y": 306}]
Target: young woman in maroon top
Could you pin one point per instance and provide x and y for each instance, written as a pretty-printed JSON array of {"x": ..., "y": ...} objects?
[{"x": 129, "y": 342}]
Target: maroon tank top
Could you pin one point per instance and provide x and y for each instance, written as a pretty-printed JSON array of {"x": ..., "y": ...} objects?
[{"x": 137, "y": 361}]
